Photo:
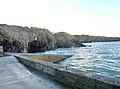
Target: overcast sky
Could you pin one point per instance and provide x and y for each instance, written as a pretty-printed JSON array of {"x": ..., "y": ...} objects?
[{"x": 91, "y": 17}]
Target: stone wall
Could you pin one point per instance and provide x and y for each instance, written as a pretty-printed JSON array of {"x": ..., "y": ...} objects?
[
  {"x": 1, "y": 49},
  {"x": 72, "y": 77}
]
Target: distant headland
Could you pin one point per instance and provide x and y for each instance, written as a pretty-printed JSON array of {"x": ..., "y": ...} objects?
[{"x": 24, "y": 39}]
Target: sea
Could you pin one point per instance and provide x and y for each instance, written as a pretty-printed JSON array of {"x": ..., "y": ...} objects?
[{"x": 101, "y": 58}]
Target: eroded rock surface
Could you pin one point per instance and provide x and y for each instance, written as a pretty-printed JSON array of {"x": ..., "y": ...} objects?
[
  {"x": 87, "y": 38},
  {"x": 24, "y": 39},
  {"x": 65, "y": 40},
  {"x": 20, "y": 39}
]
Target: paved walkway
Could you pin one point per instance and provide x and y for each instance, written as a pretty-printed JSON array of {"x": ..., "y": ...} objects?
[{"x": 13, "y": 75}]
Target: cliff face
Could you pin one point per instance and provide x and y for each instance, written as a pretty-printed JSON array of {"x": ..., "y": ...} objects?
[
  {"x": 24, "y": 39},
  {"x": 42, "y": 40},
  {"x": 20, "y": 39},
  {"x": 65, "y": 40},
  {"x": 87, "y": 38}
]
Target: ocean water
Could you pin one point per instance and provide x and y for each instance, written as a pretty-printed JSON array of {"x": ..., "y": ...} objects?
[{"x": 102, "y": 58}]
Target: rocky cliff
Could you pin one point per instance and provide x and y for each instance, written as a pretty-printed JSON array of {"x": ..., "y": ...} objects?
[
  {"x": 65, "y": 40},
  {"x": 25, "y": 39},
  {"x": 87, "y": 38},
  {"x": 21, "y": 39}
]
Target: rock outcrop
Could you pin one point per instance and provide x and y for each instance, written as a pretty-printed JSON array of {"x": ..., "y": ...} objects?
[
  {"x": 21, "y": 39},
  {"x": 43, "y": 40},
  {"x": 65, "y": 40},
  {"x": 24, "y": 39},
  {"x": 87, "y": 38}
]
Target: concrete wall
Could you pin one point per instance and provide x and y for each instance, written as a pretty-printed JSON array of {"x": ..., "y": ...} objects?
[
  {"x": 72, "y": 77},
  {"x": 1, "y": 48}
]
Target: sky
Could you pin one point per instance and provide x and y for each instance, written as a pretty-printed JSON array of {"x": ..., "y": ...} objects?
[{"x": 89, "y": 17}]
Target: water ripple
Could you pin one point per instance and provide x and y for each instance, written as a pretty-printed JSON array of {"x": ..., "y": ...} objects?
[{"x": 100, "y": 58}]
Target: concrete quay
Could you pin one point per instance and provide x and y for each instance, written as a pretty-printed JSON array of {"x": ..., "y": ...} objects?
[
  {"x": 14, "y": 75},
  {"x": 75, "y": 78}
]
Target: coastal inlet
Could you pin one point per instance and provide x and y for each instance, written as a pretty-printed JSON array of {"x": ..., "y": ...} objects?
[{"x": 101, "y": 58}]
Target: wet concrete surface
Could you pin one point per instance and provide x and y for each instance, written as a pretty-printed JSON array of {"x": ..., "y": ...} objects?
[
  {"x": 14, "y": 75},
  {"x": 3, "y": 54},
  {"x": 49, "y": 80}
]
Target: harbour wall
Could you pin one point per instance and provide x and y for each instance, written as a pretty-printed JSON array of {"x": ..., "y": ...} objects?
[{"x": 75, "y": 78}]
